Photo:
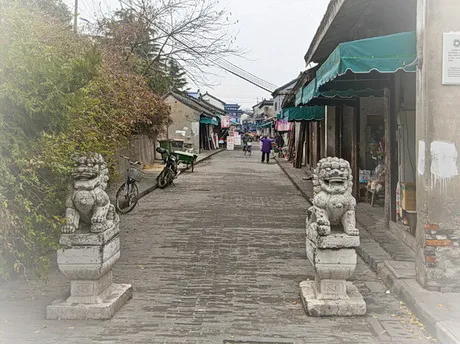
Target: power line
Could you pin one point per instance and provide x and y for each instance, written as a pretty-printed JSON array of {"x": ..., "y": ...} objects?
[
  {"x": 254, "y": 76},
  {"x": 235, "y": 68},
  {"x": 222, "y": 63},
  {"x": 266, "y": 84},
  {"x": 239, "y": 73}
]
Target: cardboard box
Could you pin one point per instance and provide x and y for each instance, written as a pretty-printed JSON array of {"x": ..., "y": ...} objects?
[{"x": 408, "y": 196}]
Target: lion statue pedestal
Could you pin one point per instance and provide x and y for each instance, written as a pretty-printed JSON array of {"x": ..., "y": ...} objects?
[
  {"x": 90, "y": 247},
  {"x": 332, "y": 237}
]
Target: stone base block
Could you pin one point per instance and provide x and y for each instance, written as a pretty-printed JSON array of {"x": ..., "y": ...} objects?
[
  {"x": 119, "y": 295},
  {"x": 352, "y": 304}
]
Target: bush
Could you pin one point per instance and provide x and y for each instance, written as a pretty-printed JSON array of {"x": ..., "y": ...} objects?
[{"x": 59, "y": 93}]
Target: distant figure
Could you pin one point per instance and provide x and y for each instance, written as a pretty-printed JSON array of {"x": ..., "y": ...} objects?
[
  {"x": 266, "y": 148},
  {"x": 279, "y": 141},
  {"x": 246, "y": 138}
]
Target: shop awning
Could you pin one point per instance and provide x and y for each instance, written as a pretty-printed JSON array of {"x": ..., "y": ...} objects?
[
  {"x": 384, "y": 54},
  {"x": 298, "y": 97},
  {"x": 266, "y": 124},
  {"x": 310, "y": 93},
  {"x": 304, "y": 113},
  {"x": 209, "y": 120}
]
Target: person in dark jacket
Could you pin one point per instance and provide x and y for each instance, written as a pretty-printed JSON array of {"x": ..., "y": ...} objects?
[
  {"x": 266, "y": 148},
  {"x": 279, "y": 141}
]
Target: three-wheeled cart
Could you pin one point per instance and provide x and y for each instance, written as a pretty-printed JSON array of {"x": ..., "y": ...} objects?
[{"x": 187, "y": 158}]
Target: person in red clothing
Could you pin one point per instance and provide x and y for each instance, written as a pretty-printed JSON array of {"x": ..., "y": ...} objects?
[{"x": 266, "y": 147}]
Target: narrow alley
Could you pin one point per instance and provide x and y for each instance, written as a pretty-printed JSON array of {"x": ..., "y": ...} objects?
[{"x": 215, "y": 258}]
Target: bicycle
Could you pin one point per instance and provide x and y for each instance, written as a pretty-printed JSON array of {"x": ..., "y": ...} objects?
[
  {"x": 128, "y": 193},
  {"x": 169, "y": 172},
  {"x": 248, "y": 148}
]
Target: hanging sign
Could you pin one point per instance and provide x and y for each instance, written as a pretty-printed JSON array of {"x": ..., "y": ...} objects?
[
  {"x": 230, "y": 143},
  {"x": 451, "y": 58},
  {"x": 237, "y": 139},
  {"x": 224, "y": 121}
]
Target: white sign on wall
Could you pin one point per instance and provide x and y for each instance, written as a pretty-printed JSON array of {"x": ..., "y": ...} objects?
[
  {"x": 237, "y": 139},
  {"x": 451, "y": 58}
]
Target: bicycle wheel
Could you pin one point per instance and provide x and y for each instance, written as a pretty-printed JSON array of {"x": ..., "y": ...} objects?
[
  {"x": 164, "y": 178},
  {"x": 126, "y": 198}
]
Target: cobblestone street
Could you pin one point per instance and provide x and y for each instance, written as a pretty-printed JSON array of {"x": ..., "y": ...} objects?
[{"x": 215, "y": 258}]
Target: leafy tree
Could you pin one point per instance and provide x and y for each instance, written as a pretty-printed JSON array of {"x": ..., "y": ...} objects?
[
  {"x": 59, "y": 93},
  {"x": 177, "y": 75}
]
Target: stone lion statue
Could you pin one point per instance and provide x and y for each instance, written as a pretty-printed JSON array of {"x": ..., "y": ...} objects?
[
  {"x": 88, "y": 206},
  {"x": 333, "y": 205}
]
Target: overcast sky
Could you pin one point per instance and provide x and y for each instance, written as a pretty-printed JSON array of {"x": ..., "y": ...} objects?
[{"x": 275, "y": 33}]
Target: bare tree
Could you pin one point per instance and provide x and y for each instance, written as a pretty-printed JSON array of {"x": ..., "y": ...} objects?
[{"x": 194, "y": 33}]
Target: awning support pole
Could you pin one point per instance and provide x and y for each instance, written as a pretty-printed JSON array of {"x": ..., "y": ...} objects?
[{"x": 387, "y": 206}]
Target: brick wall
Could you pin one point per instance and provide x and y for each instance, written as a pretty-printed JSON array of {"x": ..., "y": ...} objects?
[{"x": 442, "y": 258}]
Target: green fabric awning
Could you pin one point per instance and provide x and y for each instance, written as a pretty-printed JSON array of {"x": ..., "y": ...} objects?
[
  {"x": 266, "y": 124},
  {"x": 283, "y": 114},
  {"x": 385, "y": 54},
  {"x": 209, "y": 120},
  {"x": 304, "y": 113},
  {"x": 350, "y": 93},
  {"x": 309, "y": 92},
  {"x": 298, "y": 97}
]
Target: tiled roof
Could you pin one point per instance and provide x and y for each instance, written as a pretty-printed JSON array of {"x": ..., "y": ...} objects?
[{"x": 199, "y": 105}]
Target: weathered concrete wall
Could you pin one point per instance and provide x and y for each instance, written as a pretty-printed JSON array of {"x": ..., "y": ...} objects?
[
  {"x": 438, "y": 141},
  {"x": 185, "y": 124}
]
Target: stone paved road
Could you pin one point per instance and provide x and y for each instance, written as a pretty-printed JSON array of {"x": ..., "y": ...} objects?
[{"x": 217, "y": 258}]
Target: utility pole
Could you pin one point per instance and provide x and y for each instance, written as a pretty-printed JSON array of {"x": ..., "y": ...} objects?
[{"x": 75, "y": 15}]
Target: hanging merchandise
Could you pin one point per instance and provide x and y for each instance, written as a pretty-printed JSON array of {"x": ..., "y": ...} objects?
[{"x": 282, "y": 126}]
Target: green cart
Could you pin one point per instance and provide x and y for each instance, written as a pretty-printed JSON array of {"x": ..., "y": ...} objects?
[{"x": 187, "y": 158}]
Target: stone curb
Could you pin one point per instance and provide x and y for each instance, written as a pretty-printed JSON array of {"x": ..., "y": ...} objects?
[
  {"x": 155, "y": 186},
  {"x": 442, "y": 329},
  {"x": 293, "y": 182},
  {"x": 445, "y": 334}
]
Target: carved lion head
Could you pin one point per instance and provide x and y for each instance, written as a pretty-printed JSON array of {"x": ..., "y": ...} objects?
[
  {"x": 90, "y": 166},
  {"x": 332, "y": 175}
]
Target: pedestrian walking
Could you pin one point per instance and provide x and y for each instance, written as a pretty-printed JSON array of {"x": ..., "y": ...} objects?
[
  {"x": 279, "y": 141},
  {"x": 266, "y": 148},
  {"x": 279, "y": 144}
]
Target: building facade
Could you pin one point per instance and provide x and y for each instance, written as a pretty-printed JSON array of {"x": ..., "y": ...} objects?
[
  {"x": 195, "y": 123},
  {"x": 398, "y": 112}
]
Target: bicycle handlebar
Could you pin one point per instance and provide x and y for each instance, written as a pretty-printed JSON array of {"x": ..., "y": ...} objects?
[{"x": 130, "y": 161}]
